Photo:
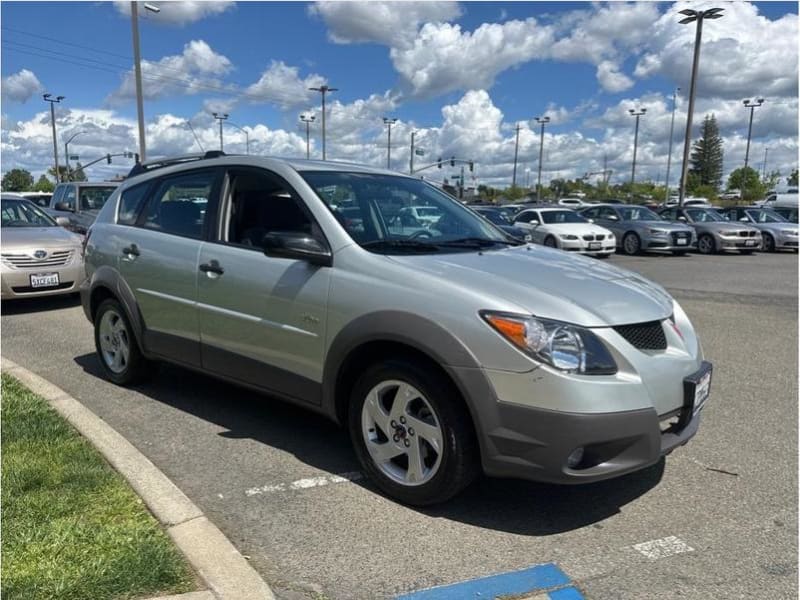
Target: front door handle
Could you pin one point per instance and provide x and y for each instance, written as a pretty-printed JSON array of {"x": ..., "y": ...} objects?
[
  {"x": 212, "y": 267},
  {"x": 130, "y": 251}
]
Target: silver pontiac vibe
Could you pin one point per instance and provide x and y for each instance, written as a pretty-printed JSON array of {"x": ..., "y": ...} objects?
[{"x": 446, "y": 350}]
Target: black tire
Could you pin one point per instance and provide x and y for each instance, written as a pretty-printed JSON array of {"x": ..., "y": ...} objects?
[
  {"x": 631, "y": 244},
  {"x": 706, "y": 244},
  {"x": 768, "y": 242},
  {"x": 550, "y": 242},
  {"x": 460, "y": 458},
  {"x": 136, "y": 368}
]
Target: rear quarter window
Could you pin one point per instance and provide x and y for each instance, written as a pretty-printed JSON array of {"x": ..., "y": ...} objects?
[{"x": 131, "y": 202}]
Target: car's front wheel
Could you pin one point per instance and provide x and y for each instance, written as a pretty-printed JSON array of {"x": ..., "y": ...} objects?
[
  {"x": 120, "y": 357},
  {"x": 769, "y": 242},
  {"x": 631, "y": 244},
  {"x": 412, "y": 433},
  {"x": 706, "y": 245},
  {"x": 550, "y": 242}
]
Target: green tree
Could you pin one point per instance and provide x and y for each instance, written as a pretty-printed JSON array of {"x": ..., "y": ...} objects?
[
  {"x": 76, "y": 174},
  {"x": 706, "y": 161},
  {"x": 792, "y": 179},
  {"x": 515, "y": 192},
  {"x": 17, "y": 180},
  {"x": 748, "y": 182},
  {"x": 43, "y": 185}
]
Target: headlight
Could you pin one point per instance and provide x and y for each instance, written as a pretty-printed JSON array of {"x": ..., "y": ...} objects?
[
  {"x": 658, "y": 231},
  {"x": 567, "y": 236},
  {"x": 566, "y": 347}
]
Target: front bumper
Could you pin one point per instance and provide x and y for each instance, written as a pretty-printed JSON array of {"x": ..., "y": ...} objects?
[
  {"x": 669, "y": 243},
  {"x": 738, "y": 242},
  {"x": 786, "y": 242},
  {"x": 16, "y": 283},
  {"x": 582, "y": 246}
]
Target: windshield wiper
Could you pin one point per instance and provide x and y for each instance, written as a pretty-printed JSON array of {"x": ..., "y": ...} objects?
[
  {"x": 475, "y": 242},
  {"x": 412, "y": 245}
]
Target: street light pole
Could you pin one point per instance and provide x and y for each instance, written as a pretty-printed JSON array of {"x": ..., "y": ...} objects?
[
  {"x": 699, "y": 16},
  {"x": 389, "y": 122},
  {"x": 752, "y": 106},
  {"x": 66, "y": 152},
  {"x": 516, "y": 152},
  {"x": 635, "y": 113},
  {"x": 246, "y": 136},
  {"x": 671, "y": 130},
  {"x": 766, "y": 152},
  {"x": 49, "y": 98},
  {"x": 323, "y": 89},
  {"x": 220, "y": 118},
  {"x": 137, "y": 69},
  {"x": 542, "y": 121},
  {"x": 308, "y": 119},
  {"x": 411, "y": 160}
]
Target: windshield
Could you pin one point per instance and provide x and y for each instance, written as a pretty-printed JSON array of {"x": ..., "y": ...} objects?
[
  {"x": 21, "y": 213},
  {"x": 562, "y": 216},
  {"x": 638, "y": 213},
  {"x": 93, "y": 198},
  {"x": 699, "y": 215},
  {"x": 376, "y": 212},
  {"x": 765, "y": 216},
  {"x": 495, "y": 216}
]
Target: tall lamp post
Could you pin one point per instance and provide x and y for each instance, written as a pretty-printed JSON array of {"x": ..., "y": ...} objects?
[
  {"x": 389, "y": 122},
  {"x": 635, "y": 113},
  {"x": 53, "y": 101},
  {"x": 323, "y": 89},
  {"x": 246, "y": 136},
  {"x": 691, "y": 16},
  {"x": 671, "y": 130},
  {"x": 752, "y": 106},
  {"x": 66, "y": 152},
  {"x": 137, "y": 70},
  {"x": 308, "y": 120},
  {"x": 542, "y": 121},
  {"x": 516, "y": 152},
  {"x": 220, "y": 117}
]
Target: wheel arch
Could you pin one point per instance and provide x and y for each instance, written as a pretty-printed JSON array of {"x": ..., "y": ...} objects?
[{"x": 107, "y": 283}]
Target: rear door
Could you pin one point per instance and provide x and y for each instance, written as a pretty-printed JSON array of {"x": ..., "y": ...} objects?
[
  {"x": 159, "y": 257},
  {"x": 608, "y": 218},
  {"x": 262, "y": 319}
]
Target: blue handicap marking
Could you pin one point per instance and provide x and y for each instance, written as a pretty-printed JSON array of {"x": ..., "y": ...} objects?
[{"x": 538, "y": 578}]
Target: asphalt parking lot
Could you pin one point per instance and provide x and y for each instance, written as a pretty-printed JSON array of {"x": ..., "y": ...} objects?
[{"x": 717, "y": 519}]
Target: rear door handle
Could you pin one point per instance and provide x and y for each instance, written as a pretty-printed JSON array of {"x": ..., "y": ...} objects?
[
  {"x": 132, "y": 250},
  {"x": 212, "y": 267}
]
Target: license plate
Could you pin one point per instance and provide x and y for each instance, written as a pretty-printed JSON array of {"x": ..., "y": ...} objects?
[
  {"x": 44, "y": 280},
  {"x": 701, "y": 391},
  {"x": 595, "y": 245},
  {"x": 697, "y": 388},
  {"x": 682, "y": 241},
  {"x": 750, "y": 243}
]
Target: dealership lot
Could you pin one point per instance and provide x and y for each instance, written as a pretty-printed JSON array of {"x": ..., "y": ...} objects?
[{"x": 717, "y": 519}]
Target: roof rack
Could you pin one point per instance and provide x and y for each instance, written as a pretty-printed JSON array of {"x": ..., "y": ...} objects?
[{"x": 150, "y": 165}]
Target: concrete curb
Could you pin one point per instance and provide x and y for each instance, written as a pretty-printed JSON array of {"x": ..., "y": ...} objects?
[{"x": 221, "y": 566}]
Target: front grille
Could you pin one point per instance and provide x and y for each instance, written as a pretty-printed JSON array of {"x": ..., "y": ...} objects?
[
  {"x": 591, "y": 238},
  {"x": 644, "y": 336},
  {"x": 747, "y": 234},
  {"x": 26, "y": 289},
  {"x": 679, "y": 235},
  {"x": 56, "y": 258}
]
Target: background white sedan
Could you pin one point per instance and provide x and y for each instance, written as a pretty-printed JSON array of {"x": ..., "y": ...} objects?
[{"x": 565, "y": 229}]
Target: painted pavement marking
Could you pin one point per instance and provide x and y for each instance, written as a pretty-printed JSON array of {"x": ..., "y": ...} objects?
[{"x": 304, "y": 484}]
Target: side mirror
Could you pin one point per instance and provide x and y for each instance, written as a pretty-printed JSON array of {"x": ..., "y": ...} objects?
[
  {"x": 63, "y": 206},
  {"x": 62, "y": 221},
  {"x": 534, "y": 221},
  {"x": 590, "y": 220},
  {"x": 613, "y": 218},
  {"x": 299, "y": 246},
  {"x": 743, "y": 220},
  {"x": 682, "y": 218}
]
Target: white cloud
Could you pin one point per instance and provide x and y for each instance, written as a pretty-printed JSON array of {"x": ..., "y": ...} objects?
[
  {"x": 282, "y": 85},
  {"x": 176, "y": 12},
  {"x": 444, "y": 58},
  {"x": 19, "y": 87},
  {"x": 389, "y": 23},
  {"x": 610, "y": 78},
  {"x": 194, "y": 70}
]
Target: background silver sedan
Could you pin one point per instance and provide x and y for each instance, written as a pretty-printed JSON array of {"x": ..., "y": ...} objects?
[{"x": 714, "y": 233}]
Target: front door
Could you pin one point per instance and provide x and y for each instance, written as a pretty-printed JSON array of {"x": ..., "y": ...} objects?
[
  {"x": 262, "y": 319},
  {"x": 159, "y": 257}
]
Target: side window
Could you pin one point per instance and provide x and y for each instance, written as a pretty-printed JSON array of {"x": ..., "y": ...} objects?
[
  {"x": 57, "y": 194},
  {"x": 669, "y": 214},
  {"x": 607, "y": 213},
  {"x": 179, "y": 204},
  {"x": 69, "y": 196},
  {"x": 262, "y": 203},
  {"x": 130, "y": 203},
  {"x": 591, "y": 213}
]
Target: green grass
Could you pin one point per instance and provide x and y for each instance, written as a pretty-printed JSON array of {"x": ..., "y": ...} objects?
[{"x": 72, "y": 528}]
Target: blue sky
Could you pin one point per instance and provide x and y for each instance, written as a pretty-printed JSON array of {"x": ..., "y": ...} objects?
[{"x": 409, "y": 61}]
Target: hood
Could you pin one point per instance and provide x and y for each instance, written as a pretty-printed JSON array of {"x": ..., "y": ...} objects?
[
  {"x": 550, "y": 284},
  {"x": 723, "y": 226},
  {"x": 577, "y": 228},
  {"x": 13, "y": 238}
]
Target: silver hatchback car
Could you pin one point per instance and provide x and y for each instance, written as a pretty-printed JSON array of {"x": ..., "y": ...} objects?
[{"x": 446, "y": 351}]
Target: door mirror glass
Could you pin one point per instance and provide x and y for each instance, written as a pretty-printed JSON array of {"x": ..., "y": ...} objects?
[
  {"x": 613, "y": 218},
  {"x": 299, "y": 246},
  {"x": 63, "y": 206},
  {"x": 590, "y": 220},
  {"x": 682, "y": 218},
  {"x": 534, "y": 221},
  {"x": 62, "y": 221},
  {"x": 744, "y": 219}
]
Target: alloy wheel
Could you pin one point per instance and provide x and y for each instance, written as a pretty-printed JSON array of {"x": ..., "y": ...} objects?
[{"x": 114, "y": 341}]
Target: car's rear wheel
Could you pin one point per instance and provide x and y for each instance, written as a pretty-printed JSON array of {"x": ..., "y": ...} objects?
[
  {"x": 631, "y": 243},
  {"x": 550, "y": 242},
  {"x": 412, "y": 433},
  {"x": 120, "y": 357},
  {"x": 706, "y": 245},
  {"x": 768, "y": 242}
]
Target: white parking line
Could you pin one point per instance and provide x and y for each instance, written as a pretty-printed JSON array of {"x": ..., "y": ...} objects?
[
  {"x": 663, "y": 547},
  {"x": 303, "y": 484}
]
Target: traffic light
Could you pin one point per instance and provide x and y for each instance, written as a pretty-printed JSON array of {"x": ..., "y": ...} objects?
[
  {"x": 108, "y": 158},
  {"x": 452, "y": 161},
  {"x": 439, "y": 162},
  {"x": 471, "y": 166}
]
